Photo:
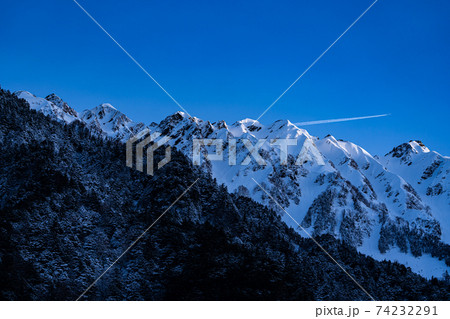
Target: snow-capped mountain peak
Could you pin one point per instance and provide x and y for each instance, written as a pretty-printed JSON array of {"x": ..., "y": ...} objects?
[
  {"x": 66, "y": 109},
  {"x": 104, "y": 111},
  {"x": 406, "y": 150},
  {"x": 428, "y": 173},
  {"x": 106, "y": 120},
  {"x": 52, "y": 106},
  {"x": 418, "y": 147}
]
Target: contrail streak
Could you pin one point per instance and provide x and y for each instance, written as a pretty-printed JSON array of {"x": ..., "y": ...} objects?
[
  {"x": 317, "y": 60},
  {"x": 340, "y": 120}
]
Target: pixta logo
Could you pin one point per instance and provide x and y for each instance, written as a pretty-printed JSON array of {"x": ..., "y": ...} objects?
[
  {"x": 307, "y": 153},
  {"x": 143, "y": 142},
  {"x": 150, "y": 141}
]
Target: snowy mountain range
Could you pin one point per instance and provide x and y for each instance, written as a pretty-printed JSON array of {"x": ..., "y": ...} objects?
[{"x": 393, "y": 207}]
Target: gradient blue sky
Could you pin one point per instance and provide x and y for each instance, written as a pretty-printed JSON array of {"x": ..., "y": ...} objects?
[{"x": 231, "y": 59}]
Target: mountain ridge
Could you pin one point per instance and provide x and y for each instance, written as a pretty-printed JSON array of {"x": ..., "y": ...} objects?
[{"x": 375, "y": 204}]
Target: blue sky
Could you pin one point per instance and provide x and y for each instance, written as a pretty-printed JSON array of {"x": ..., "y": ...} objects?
[{"x": 231, "y": 59}]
